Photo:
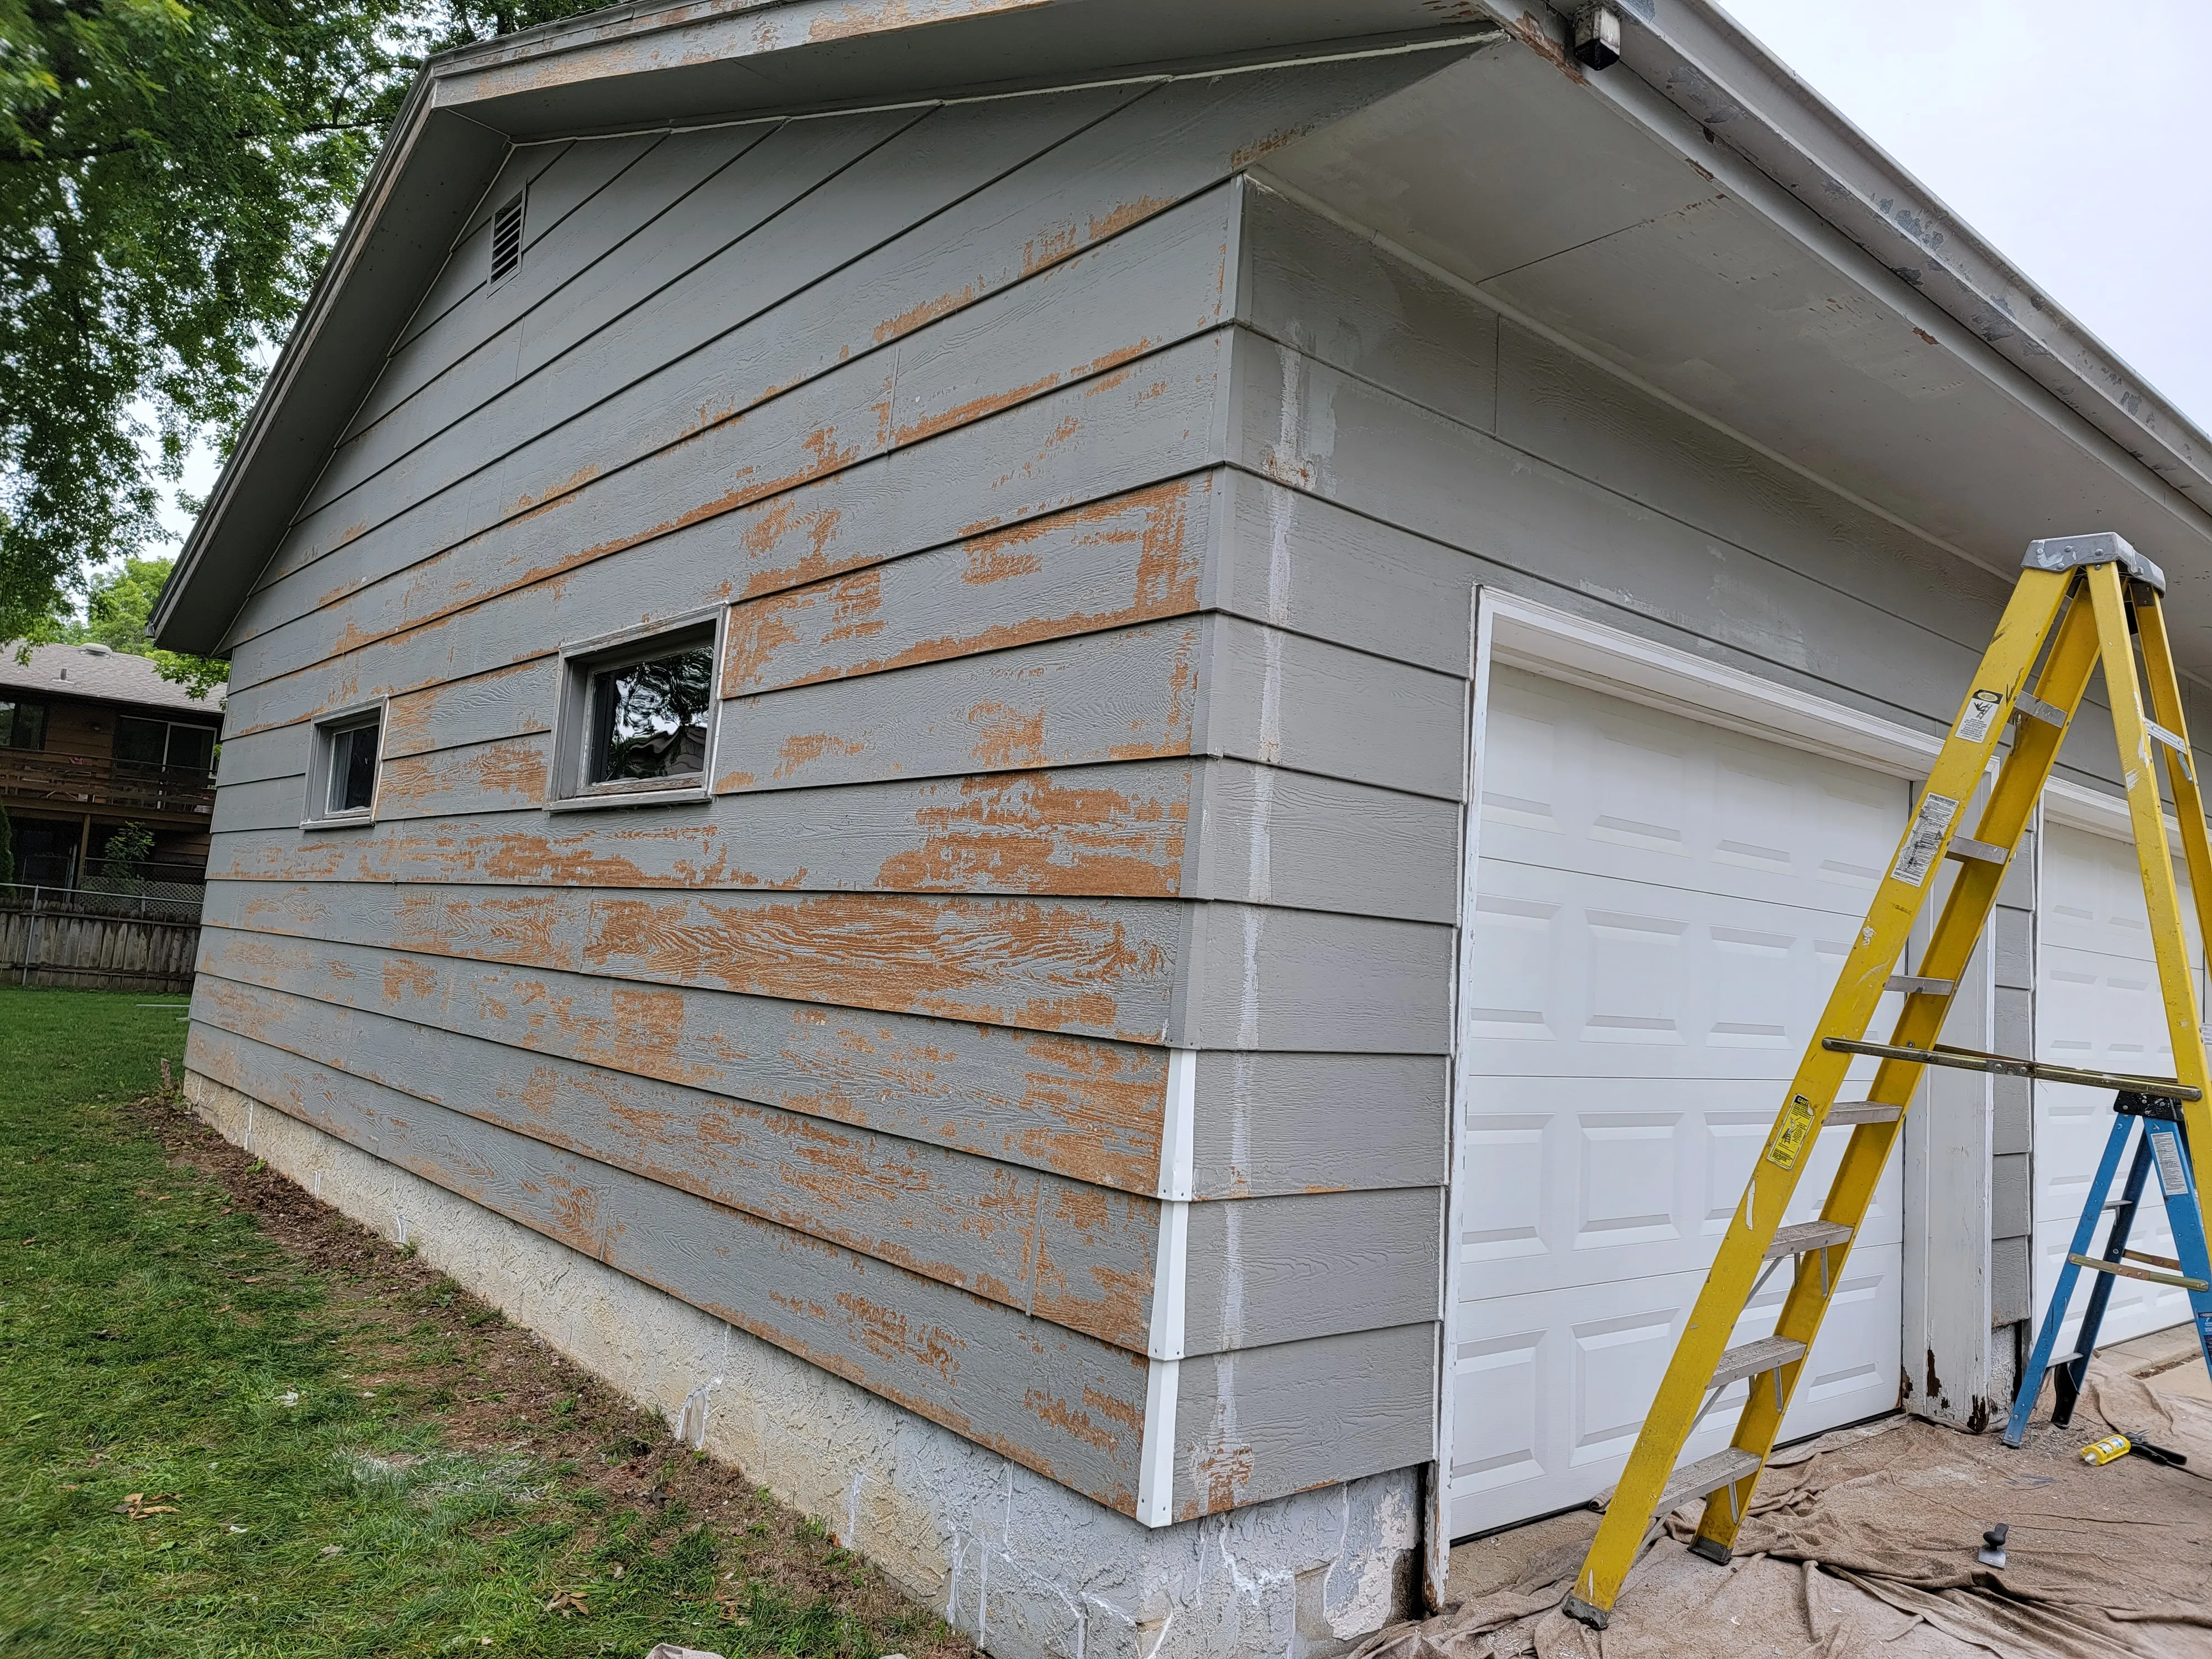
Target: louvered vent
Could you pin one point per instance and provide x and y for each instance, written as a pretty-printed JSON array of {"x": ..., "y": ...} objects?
[{"x": 506, "y": 239}]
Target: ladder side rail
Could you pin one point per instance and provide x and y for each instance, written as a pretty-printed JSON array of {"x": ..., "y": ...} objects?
[
  {"x": 2167, "y": 709},
  {"x": 2004, "y": 672},
  {"x": 2185, "y": 1213},
  {"x": 2147, "y": 814},
  {"x": 2085, "y": 1233},
  {"x": 2025, "y": 768},
  {"x": 2070, "y": 1376}
]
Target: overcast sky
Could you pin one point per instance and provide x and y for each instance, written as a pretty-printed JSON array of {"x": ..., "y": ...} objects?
[
  {"x": 2080, "y": 150},
  {"x": 2076, "y": 141}
]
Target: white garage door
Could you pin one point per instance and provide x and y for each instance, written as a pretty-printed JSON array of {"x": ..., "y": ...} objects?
[
  {"x": 1662, "y": 909},
  {"x": 2097, "y": 1005}
]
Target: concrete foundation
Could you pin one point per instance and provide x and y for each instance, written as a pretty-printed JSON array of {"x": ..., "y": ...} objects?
[{"x": 1025, "y": 1567}]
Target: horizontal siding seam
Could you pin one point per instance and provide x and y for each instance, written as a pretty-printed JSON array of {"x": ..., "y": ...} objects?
[
  {"x": 1202, "y": 470},
  {"x": 646, "y": 300},
  {"x": 1021, "y": 1300},
  {"x": 1269, "y": 906},
  {"x": 1537, "y": 459},
  {"x": 475, "y": 345},
  {"x": 1013, "y": 1450},
  {"x": 1209, "y": 608},
  {"x": 589, "y": 1065},
  {"x": 1214, "y": 754},
  {"x": 778, "y": 395},
  {"x": 812, "y": 481},
  {"x": 1790, "y": 673}
]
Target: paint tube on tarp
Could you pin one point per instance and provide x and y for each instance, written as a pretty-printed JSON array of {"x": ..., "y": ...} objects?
[{"x": 2110, "y": 1450}]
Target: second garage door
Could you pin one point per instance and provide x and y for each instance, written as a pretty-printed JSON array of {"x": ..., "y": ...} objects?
[
  {"x": 1663, "y": 908},
  {"x": 2097, "y": 1005}
]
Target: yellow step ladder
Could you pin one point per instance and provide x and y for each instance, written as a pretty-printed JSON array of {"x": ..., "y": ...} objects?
[{"x": 2081, "y": 600}]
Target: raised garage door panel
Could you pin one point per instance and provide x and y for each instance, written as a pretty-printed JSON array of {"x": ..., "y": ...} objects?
[
  {"x": 1663, "y": 907},
  {"x": 2097, "y": 1005}
]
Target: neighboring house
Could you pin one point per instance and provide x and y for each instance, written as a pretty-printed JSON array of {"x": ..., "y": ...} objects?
[
  {"x": 935, "y": 703},
  {"x": 92, "y": 739}
]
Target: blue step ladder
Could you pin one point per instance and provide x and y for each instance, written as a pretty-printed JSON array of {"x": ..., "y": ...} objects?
[{"x": 2163, "y": 1148}]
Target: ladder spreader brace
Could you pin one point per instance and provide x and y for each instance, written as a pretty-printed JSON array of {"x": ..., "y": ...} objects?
[{"x": 2080, "y": 601}]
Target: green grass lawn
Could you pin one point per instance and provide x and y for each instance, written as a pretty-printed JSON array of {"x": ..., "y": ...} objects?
[{"x": 192, "y": 1463}]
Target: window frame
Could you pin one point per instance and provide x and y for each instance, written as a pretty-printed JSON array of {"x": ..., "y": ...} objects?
[
  {"x": 328, "y": 729},
  {"x": 573, "y": 724},
  {"x": 45, "y": 718}
]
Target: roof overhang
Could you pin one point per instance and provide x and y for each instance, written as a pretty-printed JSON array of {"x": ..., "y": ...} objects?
[{"x": 1602, "y": 208}]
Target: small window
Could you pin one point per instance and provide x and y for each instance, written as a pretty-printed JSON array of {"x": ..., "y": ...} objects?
[
  {"x": 342, "y": 785},
  {"x": 23, "y": 724},
  {"x": 638, "y": 715},
  {"x": 507, "y": 239}
]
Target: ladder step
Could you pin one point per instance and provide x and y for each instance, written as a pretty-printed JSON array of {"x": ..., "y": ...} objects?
[
  {"x": 2036, "y": 709},
  {"x": 2150, "y": 1260},
  {"x": 1756, "y": 1358},
  {"x": 1863, "y": 1111},
  {"x": 2124, "y": 1271},
  {"x": 1963, "y": 847},
  {"x": 1912, "y": 986},
  {"x": 1806, "y": 1236},
  {"x": 1705, "y": 1476}
]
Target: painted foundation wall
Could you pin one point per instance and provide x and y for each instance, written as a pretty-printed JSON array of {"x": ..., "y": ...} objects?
[{"x": 1041, "y": 792}]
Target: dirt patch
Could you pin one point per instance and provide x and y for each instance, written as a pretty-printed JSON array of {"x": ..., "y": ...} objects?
[{"x": 418, "y": 1342}]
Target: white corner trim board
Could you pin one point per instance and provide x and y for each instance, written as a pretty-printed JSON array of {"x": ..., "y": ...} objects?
[{"x": 1163, "y": 1344}]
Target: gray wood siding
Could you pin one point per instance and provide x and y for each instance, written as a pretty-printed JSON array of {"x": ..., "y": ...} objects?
[
  {"x": 1028, "y": 771},
  {"x": 1053, "y": 1401}
]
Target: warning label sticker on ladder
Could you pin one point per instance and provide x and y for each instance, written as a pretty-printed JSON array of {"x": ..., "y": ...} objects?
[
  {"x": 1792, "y": 1133},
  {"x": 2167, "y": 1151},
  {"x": 1923, "y": 841},
  {"x": 1981, "y": 710}
]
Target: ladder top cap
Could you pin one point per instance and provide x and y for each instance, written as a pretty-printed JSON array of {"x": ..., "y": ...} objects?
[{"x": 2071, "y": 552}]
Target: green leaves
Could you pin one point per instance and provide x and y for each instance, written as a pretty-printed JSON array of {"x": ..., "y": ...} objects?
[{"x": 172, "y": 178}]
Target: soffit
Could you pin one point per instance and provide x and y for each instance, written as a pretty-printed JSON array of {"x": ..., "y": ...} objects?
[{"x": 1669, "y": 259}]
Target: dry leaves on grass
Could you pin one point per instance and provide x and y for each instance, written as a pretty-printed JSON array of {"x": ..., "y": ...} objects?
[
  {"x": 135, "y": 1507},
  {"x": 568, "y": 1604}
]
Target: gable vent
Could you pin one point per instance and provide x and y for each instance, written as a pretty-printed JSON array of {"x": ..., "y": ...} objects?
[{"x": 506, "y": 239}]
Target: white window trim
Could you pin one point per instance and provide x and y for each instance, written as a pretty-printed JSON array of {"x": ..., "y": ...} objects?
[
  {"x": 566, "y": 792},
  {"x": 324, "y": 730}
]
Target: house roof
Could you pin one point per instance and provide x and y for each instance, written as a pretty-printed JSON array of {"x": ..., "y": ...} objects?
[
  {"x": 100, "y": 675},
  {"x": 1626, "y": 190}
]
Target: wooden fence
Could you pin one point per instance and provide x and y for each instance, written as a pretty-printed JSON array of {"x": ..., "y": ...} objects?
[{"x": 50, "y": 943}]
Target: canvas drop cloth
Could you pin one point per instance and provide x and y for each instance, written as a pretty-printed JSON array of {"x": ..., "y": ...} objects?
[{"x": 1861, "y": 1544}]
